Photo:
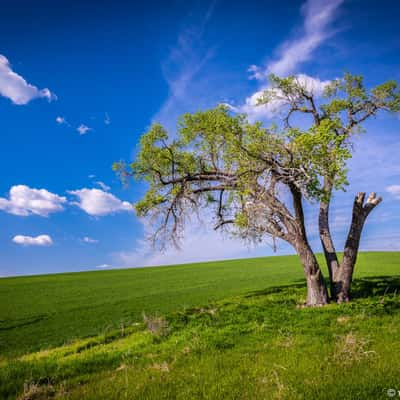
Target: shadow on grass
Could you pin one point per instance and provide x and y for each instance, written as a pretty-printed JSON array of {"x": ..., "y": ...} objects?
[
  {"x": 278, "y": 289},
  {"x": 376, "y": 286},
  {"x": 361, "y": 287}
]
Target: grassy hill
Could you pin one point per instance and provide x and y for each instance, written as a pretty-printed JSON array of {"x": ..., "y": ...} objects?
[{"x": 220, "y": 330}]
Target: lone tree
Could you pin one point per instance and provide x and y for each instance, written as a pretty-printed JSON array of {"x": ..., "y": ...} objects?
[{"x": 255, "y": 179}]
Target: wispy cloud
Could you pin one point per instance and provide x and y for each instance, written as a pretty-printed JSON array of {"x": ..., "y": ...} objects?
[
  {"x": 190, "y": 61},
  {"x": 200, "y": 244},
  {"x": 41, "y": 240},
  {"x": 394, "y": 190},
  {"x": 318, "y": 16},
  {"x": 381, "y": 151},
  {"x": 104, "y": 266},
  {"x": 104, "y": 187},
  {"x": 381, "y": 242},
  {"x": 181, "y": 68},
  {"x": 24, "y": 201},
  {"x": 16, "y": 88}
]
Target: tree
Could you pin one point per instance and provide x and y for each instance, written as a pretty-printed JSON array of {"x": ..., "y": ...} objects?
[
  {"x": 255, "y": 179},
  {"x": 347, "y": 106}
]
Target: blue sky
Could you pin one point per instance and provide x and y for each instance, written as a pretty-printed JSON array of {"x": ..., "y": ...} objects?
[{"x": 81, "y": 81}]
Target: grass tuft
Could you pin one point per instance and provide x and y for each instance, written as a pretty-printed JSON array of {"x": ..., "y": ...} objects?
[
  {"x": 351, "y": 348},
  {"x": 157, "y": 325},
  {"x": 35, "y": 391}
]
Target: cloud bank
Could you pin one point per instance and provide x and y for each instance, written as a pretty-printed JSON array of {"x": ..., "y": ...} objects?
[{"x": 25, "y": 201}]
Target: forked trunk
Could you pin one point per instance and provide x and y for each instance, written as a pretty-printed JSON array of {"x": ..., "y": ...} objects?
[
  {"x": 317, "y": 294},
  {"x": 331, "y": 258},
  {"x": 342, "y": 282}
]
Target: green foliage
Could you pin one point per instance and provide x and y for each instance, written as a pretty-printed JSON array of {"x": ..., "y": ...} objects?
[
  {"x": 220, "y": 161},
  {"x": 321, "y": 152},
  {"x": 350, "y": 95},
  {"x": 259, "y": 343},
  {"x": 213, "y": 151},
  {"x": 345, "y": 105}
]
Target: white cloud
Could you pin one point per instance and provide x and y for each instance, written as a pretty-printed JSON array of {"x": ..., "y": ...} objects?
[
  {"x": 96, "y": 202},
  {"x": 88, "y": 239},
  {"x": 394, "y": 190},
  {"x": 103, "y": 186},
  {"x": 16, "y": 88},
  {"x": 312, "y": 85},
  {"x": 83, "y": 129},
  {"x": 104, "y": 266},
  {"x": 61, "y": 120},
  {"x": 41, "y": 240},
  {"x": 25, "y": 201}
]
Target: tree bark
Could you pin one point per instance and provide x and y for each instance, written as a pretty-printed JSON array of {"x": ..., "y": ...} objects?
[
  {"x": 317, "y": 294},
  {"x": 342, "y": 283},
  {"x": 331, "y": 258}
]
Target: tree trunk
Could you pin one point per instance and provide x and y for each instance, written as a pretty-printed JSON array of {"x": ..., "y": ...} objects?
[
  {"x": 331, "y": 258},
  {"x": 342, "y": 283},
  {"x": 317, "y": 294}
]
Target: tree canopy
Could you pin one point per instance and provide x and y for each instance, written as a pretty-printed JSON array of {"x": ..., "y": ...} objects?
[{"x": 253, "y": 178}]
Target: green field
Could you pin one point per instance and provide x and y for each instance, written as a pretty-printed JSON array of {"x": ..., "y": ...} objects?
[{"x": 218, "y": 330}]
